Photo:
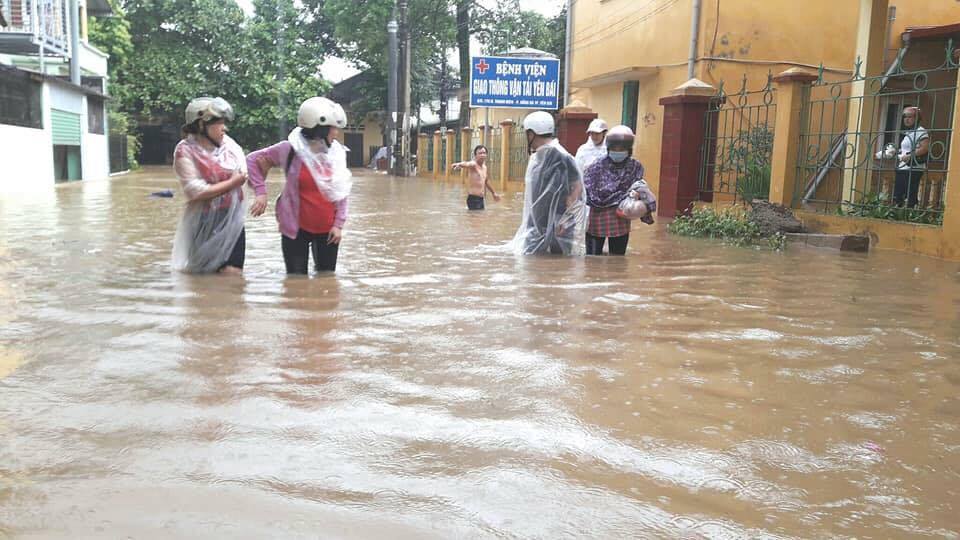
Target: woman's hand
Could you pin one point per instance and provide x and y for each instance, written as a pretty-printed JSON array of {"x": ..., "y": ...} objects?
[
  {"x": 237, "y": 179},
  {"x": 259, "y": 206},
  {"x": 335, "y": 234},
  {"x": 496, "y": 197}
]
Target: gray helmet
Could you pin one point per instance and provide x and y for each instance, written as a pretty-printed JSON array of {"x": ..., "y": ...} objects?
[{"x": 207, "y": 109}]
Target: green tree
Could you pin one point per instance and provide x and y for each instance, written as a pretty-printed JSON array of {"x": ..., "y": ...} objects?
[
  {"x": 360, "y": 26},
  {"x": 112, "y": 36},
  {"x": 185, "y": 48},
  {"x": 509, "y": 27},
  {"x": 280, "y": 66}
]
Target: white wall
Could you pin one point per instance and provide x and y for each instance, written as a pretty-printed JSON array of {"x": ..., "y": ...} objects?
[
  {"x": 93, "y": 59},
  {"x": 94, "y": 148},
  {"x": 65, "y": 99},
  {"x": 28, "y": 158},
  {"x": 96, "y": 160}
]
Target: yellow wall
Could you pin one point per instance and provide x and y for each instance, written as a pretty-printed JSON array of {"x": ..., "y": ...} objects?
[
  {"x": 922, "y": 13},
  {"x": 753, "y": 37}
]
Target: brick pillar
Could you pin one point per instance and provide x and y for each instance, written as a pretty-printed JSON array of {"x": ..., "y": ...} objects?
[
  {"x": 436, "y": 154},
  {"x": 451, "y": 146},
  {"x": 572, "y": 124},
  {"x": 422, "y": 145},
  {"x": 683, "y": 136},
  {"x": 506, "y": 133},
  {"x": 793, "y": 90},
  {"x": 466, "y": 153}
]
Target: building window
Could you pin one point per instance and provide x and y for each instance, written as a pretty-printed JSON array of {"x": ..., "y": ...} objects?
[
  {"x": 631, "y": 93},
  {"x": 20, "y": 100},
  {"x": 95, "y": 115}
]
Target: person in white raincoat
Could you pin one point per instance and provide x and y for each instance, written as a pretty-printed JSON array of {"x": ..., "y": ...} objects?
[
  {"x": 212, "y": 169},
  {"x": 595, "y": 147},
  {"x": 554, "y": 209}
]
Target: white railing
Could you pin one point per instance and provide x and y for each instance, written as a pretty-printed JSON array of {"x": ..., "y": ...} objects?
[{"x": 44, "y": 20}]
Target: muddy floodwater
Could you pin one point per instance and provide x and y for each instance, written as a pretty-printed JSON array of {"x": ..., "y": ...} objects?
[{"x": 436, "y": 387}]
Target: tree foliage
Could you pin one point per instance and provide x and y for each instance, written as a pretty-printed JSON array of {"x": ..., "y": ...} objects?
[{"x": 264, "y": 65}]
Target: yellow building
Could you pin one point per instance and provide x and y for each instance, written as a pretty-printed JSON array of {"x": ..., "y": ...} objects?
[{"x": 627, "y": 54}]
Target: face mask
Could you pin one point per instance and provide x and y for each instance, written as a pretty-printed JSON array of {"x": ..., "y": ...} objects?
[{"x": 619, "y": 157}]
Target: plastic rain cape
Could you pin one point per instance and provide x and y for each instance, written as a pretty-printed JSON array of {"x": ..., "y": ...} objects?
[
  {"x": 209, "y": 228},
  {"x": 590, "y": 152},
  {"x": 554, "y": 206},
  {"x": 327, "y": 166}
]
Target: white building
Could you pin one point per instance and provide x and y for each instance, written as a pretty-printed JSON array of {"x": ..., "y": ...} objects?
[{"x": 51, "y": 129}]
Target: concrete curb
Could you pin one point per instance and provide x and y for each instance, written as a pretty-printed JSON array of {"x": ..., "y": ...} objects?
[{"x": 839, "y": 242}]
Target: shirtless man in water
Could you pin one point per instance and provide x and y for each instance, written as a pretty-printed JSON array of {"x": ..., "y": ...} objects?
[{"x": 479, "y": 183}]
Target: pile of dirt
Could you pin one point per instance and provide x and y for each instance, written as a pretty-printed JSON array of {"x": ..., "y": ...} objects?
[{"x": 773, "y": 218}]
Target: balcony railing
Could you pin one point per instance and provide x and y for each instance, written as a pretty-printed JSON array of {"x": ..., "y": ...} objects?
[{"x": 32, "y": 23}]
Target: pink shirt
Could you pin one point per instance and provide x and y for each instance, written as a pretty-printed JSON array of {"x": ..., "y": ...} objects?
[{"x": 288, "y": 204}]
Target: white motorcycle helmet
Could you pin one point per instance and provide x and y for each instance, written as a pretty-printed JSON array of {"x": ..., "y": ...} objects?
[
  {"x": 208, "y": 109},
  {"x": 597, "y": 125},
  {"x": 320, "y": 111},
  {"x": 539, "y": 122}
]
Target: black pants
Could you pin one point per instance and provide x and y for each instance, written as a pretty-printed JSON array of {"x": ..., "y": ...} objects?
[
  {"x": 907, "y": 180},
  {"x": 296, "y": 252},
  {"x": 239, "y": 253},
  {"x": 618, "y": 244},
  {"x": 474, "y": 202}
]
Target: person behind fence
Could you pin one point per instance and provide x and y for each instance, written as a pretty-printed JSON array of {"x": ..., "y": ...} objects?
[
  {"x": 609, "y": 183},
  {"x": 594, "y": 148},
  {"x": 312, "y": 208},
  {"x": 211, "y": 169},
  {"x": 479, "y": 183},
  {"x": 912, "y": 158},
  {"x": 554, "y": 209}
]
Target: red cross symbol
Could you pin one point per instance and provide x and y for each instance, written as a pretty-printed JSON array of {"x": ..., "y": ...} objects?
[{"x": 482, "y": 66}]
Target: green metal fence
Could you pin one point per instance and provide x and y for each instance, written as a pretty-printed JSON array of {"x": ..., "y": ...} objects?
[
  {"x": 850, "y": 159},
  {"x": 738, "y": 143},
  {"x": 494, "y": 156},
  {"x": 518, "y": 155},
  {"x": 443, "y": 152},
  {"x": 429, "y": 149}
]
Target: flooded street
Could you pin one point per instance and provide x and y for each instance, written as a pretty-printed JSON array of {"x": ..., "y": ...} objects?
[{"x": 436, "y": 387}]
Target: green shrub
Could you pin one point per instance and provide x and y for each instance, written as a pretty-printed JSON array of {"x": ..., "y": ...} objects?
[
  {"x": 878, "y": 206},
  {"x": 728, "y": 225}
]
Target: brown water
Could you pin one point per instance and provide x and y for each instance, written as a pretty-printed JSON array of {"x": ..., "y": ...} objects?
[{"x": 438, "y": 388}]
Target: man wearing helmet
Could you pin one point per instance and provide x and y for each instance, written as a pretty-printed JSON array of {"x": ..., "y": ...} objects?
[
  {"x": 554, "y": 211},
  {"x": 312, "y": 207},
  {"x": 594, "y": 148},
  {"x": 211, "y": 169}
]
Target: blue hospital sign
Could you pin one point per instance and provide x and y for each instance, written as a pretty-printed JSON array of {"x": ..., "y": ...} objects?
[{"x": 520, "y": 83}]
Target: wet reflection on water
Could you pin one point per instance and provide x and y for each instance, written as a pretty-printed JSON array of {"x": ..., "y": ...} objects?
[{"x": 438, "y": 388}]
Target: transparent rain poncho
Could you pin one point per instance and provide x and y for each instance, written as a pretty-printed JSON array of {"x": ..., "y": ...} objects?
[
  {"x": 554, "y": 207},
  {"x": 209, "y": 228},
  {"x": 328, "y": 166}
]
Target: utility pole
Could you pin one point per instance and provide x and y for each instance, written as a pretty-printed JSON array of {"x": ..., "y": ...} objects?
[
  {"x": 392, "y": 53},
  {"x": 403, "y": 95},
  {"x": 443, "y": 90}
]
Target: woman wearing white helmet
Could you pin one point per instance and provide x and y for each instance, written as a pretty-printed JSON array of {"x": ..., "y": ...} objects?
[
  {"x": 312, "y": 208},
  {"x": 553, "y": 209},
  {"x": 211, "y": 169},
  {"x": 594, "y": 148},
  {"x": 608, "y": 182}
]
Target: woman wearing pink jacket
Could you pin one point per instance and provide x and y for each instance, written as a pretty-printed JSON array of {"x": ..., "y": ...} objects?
[{"x": 312, "y": 207}]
